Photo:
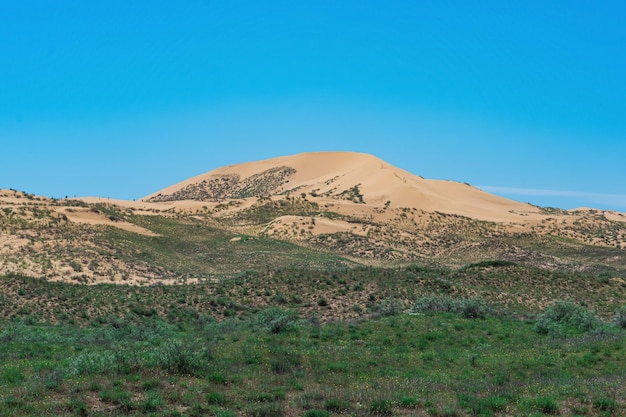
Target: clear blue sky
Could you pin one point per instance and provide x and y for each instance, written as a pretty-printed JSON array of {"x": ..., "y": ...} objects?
[{"x": 122, "y": 98}]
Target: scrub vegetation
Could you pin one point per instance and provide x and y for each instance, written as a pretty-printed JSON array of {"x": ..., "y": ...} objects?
[{"x": 415, "y": 343}]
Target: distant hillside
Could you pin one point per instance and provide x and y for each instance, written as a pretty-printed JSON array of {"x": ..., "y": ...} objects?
[
  {"x": 325, "y": 211},
  {"x": 348, "y": 176}
]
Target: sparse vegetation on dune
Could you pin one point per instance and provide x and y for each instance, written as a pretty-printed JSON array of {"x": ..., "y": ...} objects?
[{"x": 48, "y": 238}]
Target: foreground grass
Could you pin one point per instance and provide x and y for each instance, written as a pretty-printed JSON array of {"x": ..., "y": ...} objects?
[{"x": 272, "y": 364}]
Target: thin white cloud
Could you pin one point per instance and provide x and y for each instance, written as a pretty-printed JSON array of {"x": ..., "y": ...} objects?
[{"x": 598, "y": 198}]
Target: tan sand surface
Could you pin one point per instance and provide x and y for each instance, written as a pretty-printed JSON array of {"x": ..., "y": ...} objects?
[
  {"x": 332, "y": 173},
  {"x": 87, "y": 216}
]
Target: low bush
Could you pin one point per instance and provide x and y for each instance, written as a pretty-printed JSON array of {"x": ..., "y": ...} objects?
[
  {"x": 498, "y": 263},
  {"x": 409, "y": 402},
  {"x": 564, "y": 315},
  {"x": 216, "y": 398},
  {"x": 547, "y": 405},
  {"x": 620, "y": 317},
  {"x": 471, "y": 308},
  {"x": 605, "y": 404},
  {"x": 337, "y": 405},
  {"x": 381, "y": 407},
  {"x": 152, "y": 401},
  {"x": 180, "y": 358},
  {"x": 92, "y": 363},
  {"x": 389, "y": 307},
  {"x": 268, "y": 409},
  {"x": 276, "y": 320}
]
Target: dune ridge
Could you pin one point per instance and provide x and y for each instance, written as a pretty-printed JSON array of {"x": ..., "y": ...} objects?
[{"x": 348, "y": 176}]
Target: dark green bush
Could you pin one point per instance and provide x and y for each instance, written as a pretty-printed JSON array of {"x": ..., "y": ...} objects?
[
  {"x": 409, "y": 402},
  {"x": 605, "y": 404},
  {"x": 489, "y": 264},
  {"x": 547, "y": 405},
  {"x": 604, "y": 277},
  {"x": 337, "y": 405},
  {"x": 215, "y": 398}
]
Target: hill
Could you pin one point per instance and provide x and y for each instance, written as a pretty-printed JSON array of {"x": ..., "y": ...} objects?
[
  {"x": 342, "y": 176},
  {"x": 324, "y": 210}
]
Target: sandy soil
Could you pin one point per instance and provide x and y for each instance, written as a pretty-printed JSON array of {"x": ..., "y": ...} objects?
[{"x": 87, "y": 216}]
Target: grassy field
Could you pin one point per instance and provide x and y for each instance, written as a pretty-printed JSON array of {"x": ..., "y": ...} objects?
[{"x": 363, "y": 342}]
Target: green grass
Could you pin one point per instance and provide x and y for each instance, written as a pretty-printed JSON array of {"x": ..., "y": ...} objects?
[{"x": 436, "y": 364}]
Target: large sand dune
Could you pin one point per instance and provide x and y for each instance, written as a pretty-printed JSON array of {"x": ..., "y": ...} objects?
[{"x": 348, "y": 176}]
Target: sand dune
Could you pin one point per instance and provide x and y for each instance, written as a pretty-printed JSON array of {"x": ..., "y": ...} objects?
[
  {"x": 356, "y": 177},
  {"x": 88, "y": 216}
]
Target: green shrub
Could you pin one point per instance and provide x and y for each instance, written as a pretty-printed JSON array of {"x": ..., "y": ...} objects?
[
  {"x": 284, "y": 360},
  {"x": 12, "y": 375},
  {"x": 479, "y": 406},
  {"x": 489, "y": 264},
  {"x": 471, "y": 308},
  {"x": 381, "y": 407},
  {"x": 567, "y": 314},
  {"x": 496, "y": 402},
  {"x": 605, "y": 404},
  {"x": 604, "y": 277},
  {"x": 276, "y": 320},
  {"x": 409, "y": 402},
  {"x": 547, "y": 405},
  {"x": 118, "y": 397},
  {"x": 620, "y": 317},
  {"x": 92, "y": 363},
  {"x": 53, "y": 380},
  {"x": 180, "y": 358},
  {"x": 76, "y": 266},
  {"x": 152, "y": 401},
  {"x": 215, "y": 398},
  {"x": 78, "y": 407},
  {"x": 389, "y": 307},
  {"x": 337, "y": 405},
  {"x": 268, "y": 409}
]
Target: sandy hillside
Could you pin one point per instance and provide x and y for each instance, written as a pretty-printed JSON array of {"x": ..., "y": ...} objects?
[
  {"x": 351, "y": 205},
  {"x": 349, "y": 176}
]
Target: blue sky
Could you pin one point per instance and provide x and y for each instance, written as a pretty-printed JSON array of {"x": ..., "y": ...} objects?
[{"x": 120, "y": 99}]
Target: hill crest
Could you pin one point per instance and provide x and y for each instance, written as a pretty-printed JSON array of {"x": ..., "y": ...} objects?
[{"x": 350, "y": 177}]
